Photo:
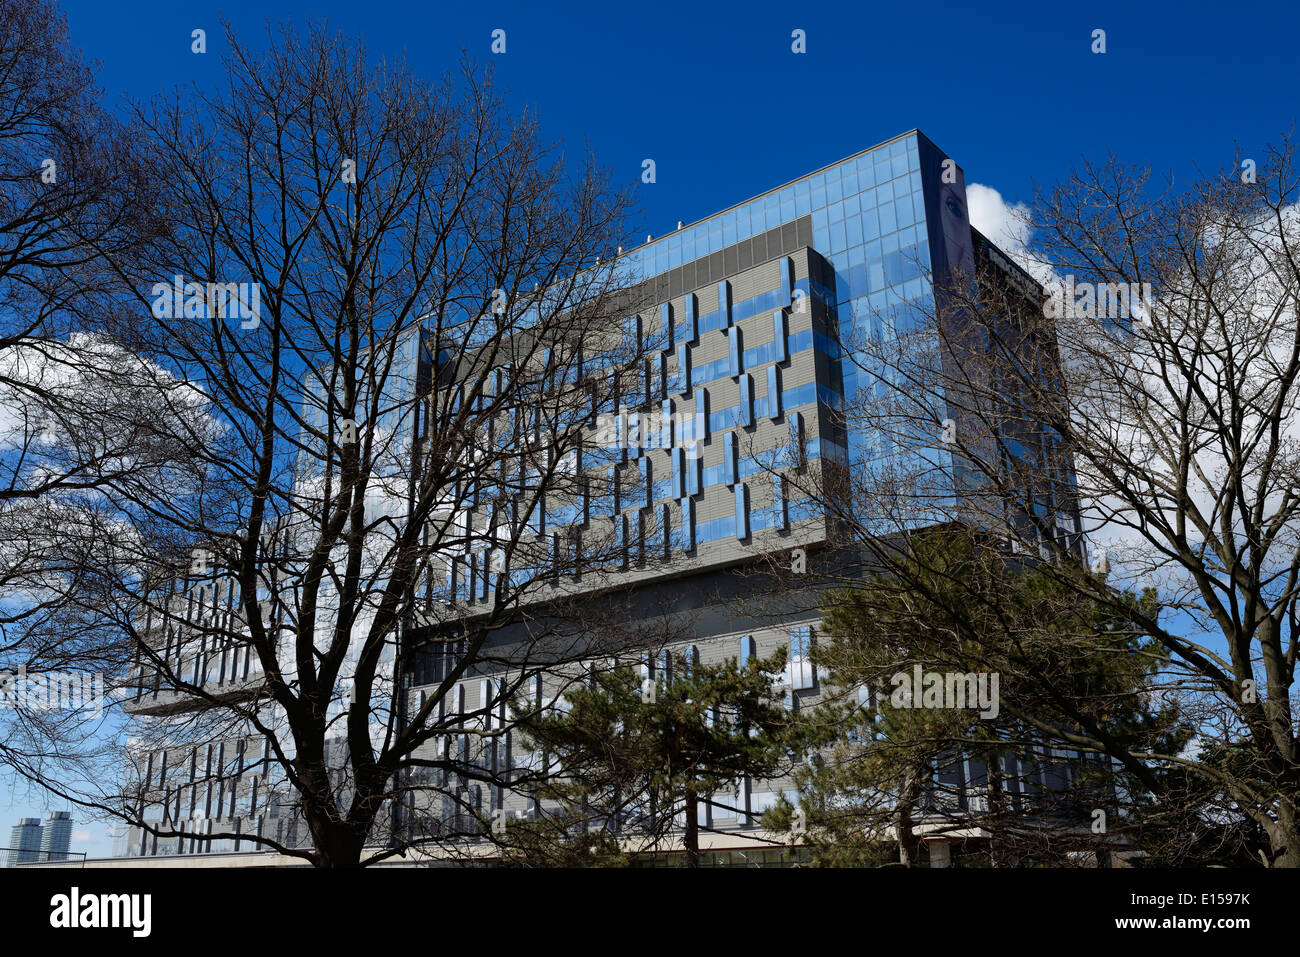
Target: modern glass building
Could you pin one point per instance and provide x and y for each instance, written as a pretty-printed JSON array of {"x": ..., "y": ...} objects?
[
  {"x": 748, "y": 321},
  {"x": 24, "y": 842},
  {"x": 57, "y": 836}
]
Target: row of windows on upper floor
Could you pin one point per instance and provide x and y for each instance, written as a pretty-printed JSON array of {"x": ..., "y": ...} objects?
[
  {"x": 638, "y": 536},
  {"x": 223, "y": 660},
  {"x": 640, "y": 434},
  {"x": 635, "y": 341},
  {"x": 691, "y": 480},
  {"x": 223, "y": 760},
  {"x": 884, "y": 165},
  {"x": 664, "y": 430},
  {"x": 658, "y": 381},
  {"x": 787, "y": 294},
  {"x": 693, "y": 433},
  {"x": 687, "y": 477},
  {"x": 659, "y": 384},
  {"x": 841, "y": 226},
  {"x": 741, "y": 360}
]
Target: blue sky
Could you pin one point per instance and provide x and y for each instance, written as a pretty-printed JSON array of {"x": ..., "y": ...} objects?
[{"x": 714, "y": 95}]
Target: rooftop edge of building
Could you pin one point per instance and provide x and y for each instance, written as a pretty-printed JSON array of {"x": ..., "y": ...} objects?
[{"x": 749, "y": 199}]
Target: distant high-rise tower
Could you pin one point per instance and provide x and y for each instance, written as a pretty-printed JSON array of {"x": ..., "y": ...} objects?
[
  {"x": 24, "y": 841},
  {"x": 57, "y": 836}
]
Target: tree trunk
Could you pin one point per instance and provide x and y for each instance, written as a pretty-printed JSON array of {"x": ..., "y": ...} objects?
[
  {"x": 907, "y": 798},
  {"x": 1284, "y": 838},
  {"x": 994, "y": 799},
  {"x": 337, "y": 844},
  {"x": 692, "y": 830}
]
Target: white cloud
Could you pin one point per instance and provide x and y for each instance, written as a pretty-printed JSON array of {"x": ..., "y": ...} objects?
[
  {"x": 1007, "y": 225},
  {"x": 1000, "y": 221}
]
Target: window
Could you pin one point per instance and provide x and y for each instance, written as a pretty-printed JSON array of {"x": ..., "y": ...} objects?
[
  {"x": 620, "y": 541},
  {"x": 785, "y": 277},
  {"x": 747, "y": 651},
  {"x": 632, "y": 329},
  {"x": 638, "y": 541},
  {"x": 556, "y": 556},
  {"x": 773, "y": 392},
  {"x": 724, "y": 303},
  {"x": 666, "y": 325},
  {"x": 692, "y": 318},
  {"x": 729, "y": 459},
  {"x": 695, "y": 474},
  {"x": 647, "y": 478},
  {"x": 779, "y": 336},
  {"x": 688, "y": 524},
  {"x": 647, "y": 384},
  {"x": 746, "y": 416},
  {"x": 780, "y": 512},
  {"x": 683, "y": 369},
  {"x": 798, "y": 451},
  {"x": 701, "y": 416},
  {"x": 666, "y": 424},
  {"x": 741, "y": 801},
  {"x": 742, "y": 511},
  {"x": 665, "y": 518},
  {"x": 679, "y": 470},
  {"x": 690, "y": 662},
  {"x": 453, "y": 578},
  {"x": 462, "y": 740},
  {"x": 734, "y": 351},
  {"x": 802, "y": 676},
  {"x": 486, "y": 692}
]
